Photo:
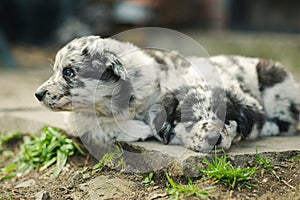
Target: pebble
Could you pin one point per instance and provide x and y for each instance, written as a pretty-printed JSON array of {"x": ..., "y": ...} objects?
[
  {"x": 42, "y": 195},
  {"x": 27, "y": 183}
]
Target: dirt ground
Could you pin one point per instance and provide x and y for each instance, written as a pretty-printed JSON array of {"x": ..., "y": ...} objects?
[{"x": 283, "y": 183}]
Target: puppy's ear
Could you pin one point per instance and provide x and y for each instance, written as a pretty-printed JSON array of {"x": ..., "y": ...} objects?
[
  {"x": 105, "y": 66},
  {"x": 113, "y": 65}
]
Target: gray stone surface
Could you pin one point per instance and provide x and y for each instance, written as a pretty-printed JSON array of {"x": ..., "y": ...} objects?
[{"x": 19, "y": 110}]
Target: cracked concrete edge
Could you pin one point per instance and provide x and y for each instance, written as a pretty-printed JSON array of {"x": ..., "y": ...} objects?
[
  {"x": 188, "y": 162},
  {"x": 150, "y": 156}
]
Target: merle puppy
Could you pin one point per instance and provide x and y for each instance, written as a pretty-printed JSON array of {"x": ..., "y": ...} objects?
[{"x": 119, "y": 92}]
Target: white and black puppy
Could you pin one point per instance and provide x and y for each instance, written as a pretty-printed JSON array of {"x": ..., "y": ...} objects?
[{"x": 119, "y": 92}]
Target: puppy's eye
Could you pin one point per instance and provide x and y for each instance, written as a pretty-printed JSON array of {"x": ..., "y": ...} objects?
[{"x": 68, "y": 72}]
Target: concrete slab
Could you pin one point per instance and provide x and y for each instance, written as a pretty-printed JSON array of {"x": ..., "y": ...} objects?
[{"x": 19, "y": 110}]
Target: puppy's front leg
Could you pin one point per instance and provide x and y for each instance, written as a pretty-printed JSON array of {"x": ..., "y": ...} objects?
[{"x": 133, "y": 130}]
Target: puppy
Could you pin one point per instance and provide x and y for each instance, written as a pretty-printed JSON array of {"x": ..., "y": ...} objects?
[{"x": 119, "y": 92}]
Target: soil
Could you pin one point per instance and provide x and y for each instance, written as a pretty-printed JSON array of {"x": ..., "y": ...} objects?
[{"x": 282, "y": 183}]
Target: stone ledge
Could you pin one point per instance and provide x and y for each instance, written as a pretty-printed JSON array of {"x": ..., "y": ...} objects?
[
  {"x": 147, "y": 156},
  {"x": 182, "y": 161}
]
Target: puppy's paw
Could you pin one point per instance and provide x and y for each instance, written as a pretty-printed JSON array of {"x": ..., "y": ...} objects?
[
  {"x": 161, "y": 128},
  {"x": 133, "y": 130}
]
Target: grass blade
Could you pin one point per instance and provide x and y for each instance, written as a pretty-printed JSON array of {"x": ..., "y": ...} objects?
[
  {"x": 61, "y": 161},
  {"x": 48, "y": 163}
]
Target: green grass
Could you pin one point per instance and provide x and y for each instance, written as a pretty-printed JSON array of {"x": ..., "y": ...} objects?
[
  {"x": 296, "y": 158},
  {"x": 180, "y": 191},
  {"x": 265, "y": 165},
  {"x": 223, "y": 172},
  {"x": 148, "y": 180},
  {"x": 112, "y": 159},
  {"x": 40, "y": 152},
  {"x": 5, "y": 138},
  {"x": 264, "y": 162}
]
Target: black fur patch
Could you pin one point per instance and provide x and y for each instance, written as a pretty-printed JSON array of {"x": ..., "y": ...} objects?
[
  {"x": 67, "y": 93},
  {"x": 92, "y": 71},
  {"x": 171, "y": 103},
  {"x": 295, "y": 111},
  {"x": 166, "y": 130},
  {"x": 158, "y": 59},
  {"x": 269, "y": 74},
  {"x": 160, "y": 56},
  {"x": 109, "y": 76},
  {"x": 85, "y": 51},
  {"x": 283, "y": 125},
  {"x": 167, "y": 133},
  {"x": 245, "y": 115}
]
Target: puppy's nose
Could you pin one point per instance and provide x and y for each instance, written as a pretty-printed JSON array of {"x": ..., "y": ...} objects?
[{"x": 40, "y": 94}]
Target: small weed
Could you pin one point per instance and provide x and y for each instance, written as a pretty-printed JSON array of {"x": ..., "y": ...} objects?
[
  {"x": 223, "y": 172},
  {"x": 296, "y": 158},
  {"x": 179, "y": 191},
  {"x": 148, "y": 180},
  {"x": 5, "y": 138},
  {"x": 112, "y": 159},
  {"x": 264, "y": 162},
  {"x": 40, "y": 152}
]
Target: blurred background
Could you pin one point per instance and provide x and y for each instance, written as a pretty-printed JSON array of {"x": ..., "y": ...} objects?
[{"x": 32, "y": 31}]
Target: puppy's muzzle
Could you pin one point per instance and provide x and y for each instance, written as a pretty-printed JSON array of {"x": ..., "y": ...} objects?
[{"x": 40, "y": 94}]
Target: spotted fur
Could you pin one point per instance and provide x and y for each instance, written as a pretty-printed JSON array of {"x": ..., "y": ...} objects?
[{"x": 119, "y": 92}]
